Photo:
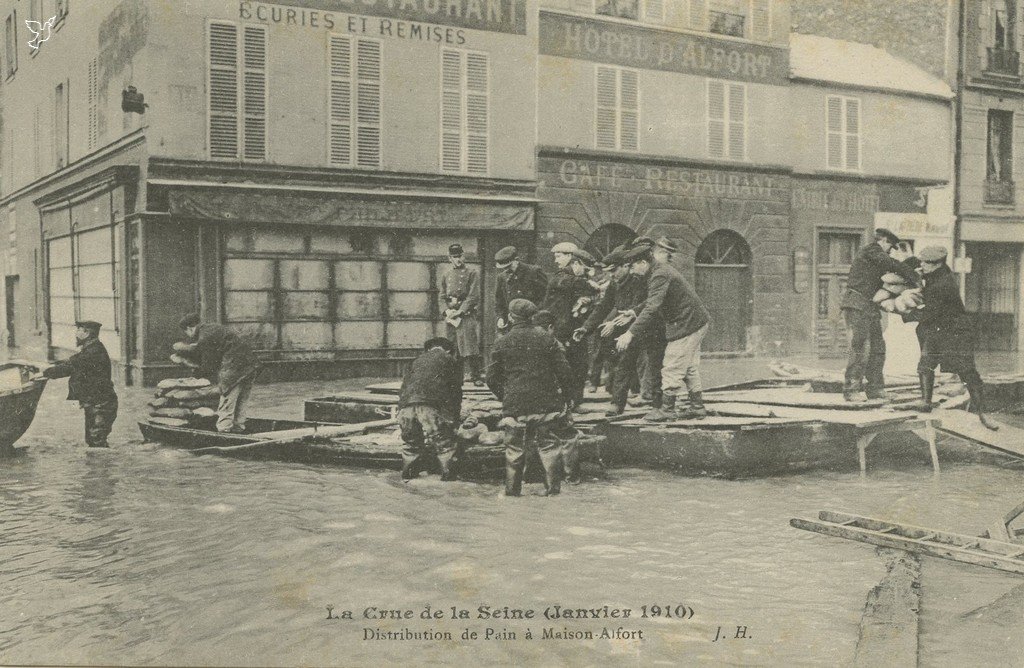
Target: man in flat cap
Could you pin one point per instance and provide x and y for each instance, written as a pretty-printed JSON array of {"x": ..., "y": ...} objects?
[
  {"x": 864, "y": 318},
  {"x": 568, "y": 297},
  {"x": 223, "y": 357},
  {"x": 516, "y": 280},
  {"x": 429, "y": 405},
  {"x": 460, "y": 304},
  {"x": 89, "y": 382},
  {"x": 946, "y": 334},
  {"x": 531, "y": 377}
]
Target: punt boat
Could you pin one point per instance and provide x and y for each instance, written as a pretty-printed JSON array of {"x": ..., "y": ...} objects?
[{"x": 19, "y": 398}]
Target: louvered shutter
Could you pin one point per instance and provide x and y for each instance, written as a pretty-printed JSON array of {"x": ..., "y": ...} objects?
[
  {"x": 607, "y": 106},
  {"x": 852, "y": 133},
  {"x": 451, "y": 110},
  {"x": 834, "y": 132},
  {"x": 477, "y": 89},
  {"x": 629, "y": 110},
  {"x": 368, "y": 103},
  {"x": 760, "y": 19},
  {"x": 737, "y": 108},
  {"x": 93, "y": 104},
  {"x": 698, "y": 14},
  {"x": 654, "y": 11},
  {"x": 716, "y": 118},
  {"x": 254, "y": 76},
  {"x": 340, "y": 102},
  {"x": 223, "y": 90}
]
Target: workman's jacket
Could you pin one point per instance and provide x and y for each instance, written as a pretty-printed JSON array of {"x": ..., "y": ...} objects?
[
  {"x": 88, "y": 373},
  {"x": 528, "y": 372},
  {"x": 944, "y": 320},
  {"x": 621, "y": 295},
  {"x": 865, "y": 277},
  {"x": 526, "y": 282},
  {"x": 434, "y": 379},
  {"x": 223, "y": 356},
  {"x": 565, "y": 289},
  {"x": 672, "y": 299}
]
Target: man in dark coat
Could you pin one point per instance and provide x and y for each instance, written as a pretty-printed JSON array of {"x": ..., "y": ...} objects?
[
  {"x": 672, "y": 301},
  {"x": 569, "y": 297},
  {"x": 428, "y": 410},
  {"x": 946, "y": 334},
  {"x": 531, "y": 377},
  {"x": 864, "y": 318},
  {"x": 460, "y": 304},
  {"x": 225, "y": 358},
  {"x": 516, "y": 280},
  {"x": 89, "y": 383}
]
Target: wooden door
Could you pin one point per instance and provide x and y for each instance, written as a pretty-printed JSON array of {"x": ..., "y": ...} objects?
[
  {"x": 835, "y": 254},
  {"x": 723, "y": 282}
]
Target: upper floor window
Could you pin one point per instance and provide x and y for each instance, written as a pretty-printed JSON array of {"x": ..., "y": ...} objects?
[
  {"x": 93, "y": 134},
  {"x": 354, "y": 98},
  {"x": 60, "y": 125},
  {"x": 465, "y": 111},
  {"x": 842, "y": 120},
  {"x": 727, "y": 119},
  {"x": 636, "y": 10},
  {"x": 618, "y": 109},
  {"x": 999, "y": 158},
  {"x": 736, "y": 18},
  {"x": 237, "y": 91},
  {"x": 1002, "y": 41},
  {"x": 11, "y": 43}
]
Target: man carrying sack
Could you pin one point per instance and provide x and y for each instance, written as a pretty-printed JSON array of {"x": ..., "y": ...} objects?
[{"x": 460, "y": 303}]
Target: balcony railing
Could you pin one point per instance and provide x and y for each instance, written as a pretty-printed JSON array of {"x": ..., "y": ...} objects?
[
  {"x": 998, "y": 192},
  {"x": 1002, "y": 61},
  {"x": 723, "y": 23}
]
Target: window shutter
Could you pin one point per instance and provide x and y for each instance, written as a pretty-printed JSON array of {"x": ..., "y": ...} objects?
[
  {"x": 629, "y": 110},
  {"x": 340, "y": 112},
  {"x": 223, "y": 90},
  {"x": 698, "y": 15},
  {"x": 368, "y": 103},
  {"x": 834, "y": 132},
  {"x": 852, "y": 133},
  {"x": 654, "y": 11},
  {"x": 477, "y": 89},
  {"x": 716, "y": 118},
  {"x": 607, "y": 104},
  {"x": 760, "y": 19},
  {"x": 451, "y": 111},
  {"x": 93, "y": 104},
  {"x": 737, "y": 121},
  {"x": 254, "y": 75}
]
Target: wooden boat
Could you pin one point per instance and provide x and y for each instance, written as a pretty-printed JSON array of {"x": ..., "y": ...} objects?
[{"x": 19, "y": 397}]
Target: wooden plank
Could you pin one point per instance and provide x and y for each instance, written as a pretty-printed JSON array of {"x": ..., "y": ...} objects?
[
  {"x": 1008, "y": 439},
  {"x": 890, "y": 624},
  {"x": 921, "y": 533},
  {"x": 712, "y": 422},
  {"x": 794, "y": 398},
  {"x": 324, "y": 430},
  {"x": 739, "y": 409}
]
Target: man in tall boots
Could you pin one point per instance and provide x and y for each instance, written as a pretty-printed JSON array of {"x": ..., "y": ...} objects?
[
  {"x": 531, "y": 377},
  {"x": 568, "y": 298},
  {"x": 516, "y": 280},
  {"x": 89, "y": 382},
  {"x": 460, "y": 304},
  {"x": 946, "y": 334}
]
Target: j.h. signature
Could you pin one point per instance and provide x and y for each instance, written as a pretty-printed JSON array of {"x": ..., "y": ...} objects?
[{"x": 40, "y": 30}]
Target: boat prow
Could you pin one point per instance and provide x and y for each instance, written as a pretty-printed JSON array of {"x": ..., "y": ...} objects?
[{"x": 19, "y": 398}]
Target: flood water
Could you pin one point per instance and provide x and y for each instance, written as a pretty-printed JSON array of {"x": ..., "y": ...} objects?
[{"x": 145, "y": 555}]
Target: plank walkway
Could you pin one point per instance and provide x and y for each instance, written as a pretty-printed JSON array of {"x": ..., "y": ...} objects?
[
  {"x": 791, "y": 397},
  {"x": 1008, "y": 439}
]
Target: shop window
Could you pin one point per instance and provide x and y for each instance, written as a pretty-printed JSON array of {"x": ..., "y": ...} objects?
[
  {"x": 618, "y": 109},
  {"x": 999, "y": 158},
  {"x": 354, "y": 100},
  {"x": 842, "y": 117},
  {"x": 11, "y": 43},
  {"x": 727, "y": 120},
  {"x": 465, "y": 111},
  {"x": 237, "y": 91}
]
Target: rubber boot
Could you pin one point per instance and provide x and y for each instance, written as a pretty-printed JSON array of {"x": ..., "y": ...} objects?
[
  {"x": 850, "y": 392},
  {"x": 514, "y": 469},
  {"x": 475, "y": 365},
  {"x": 926, "y": 381},
  {"x": 665, "y": 412},
  {"x": 977, "y": 392},
  {"x": 696, "y": 411}
]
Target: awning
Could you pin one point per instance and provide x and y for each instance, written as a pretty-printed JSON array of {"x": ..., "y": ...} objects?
[{"x": 297, "y": 208}]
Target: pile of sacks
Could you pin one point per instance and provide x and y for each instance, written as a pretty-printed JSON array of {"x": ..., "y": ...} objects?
[
  {"x": 180, "y": 402},
  {"x": 897, "y": 296},
  {"x": 474, "y": 431}
]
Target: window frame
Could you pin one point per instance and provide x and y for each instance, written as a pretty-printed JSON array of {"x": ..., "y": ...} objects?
[
  {"x": 643, "y": 12},
  {"x": 353, "y": 103},
  {"x": 1007, "y": 142},
  {"x": 11, "y": 46},
  {"x": 240, "y": 71},
  {"x": 618, "y": 109},
  {"x": 844, "y": 134},
  {"x": 464, "y": 93},
  {"x": 727, "y": 119}
]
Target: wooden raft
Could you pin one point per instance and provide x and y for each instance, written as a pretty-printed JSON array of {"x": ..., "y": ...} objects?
[
  {"x": 997, "y": 554},
  {"x": 1008, "y": 439}
]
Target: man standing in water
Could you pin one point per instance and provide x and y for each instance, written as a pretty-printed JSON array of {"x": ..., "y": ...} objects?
[
  {"x": 460, "y": 301},
  {"x": 89, "y": 383}
]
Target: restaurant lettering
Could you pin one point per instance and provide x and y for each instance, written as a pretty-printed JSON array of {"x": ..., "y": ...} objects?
[
  {"x": 810, "y": 199},
  {"x": 649, "y": 48},
  {"x": 667, "y": 180}
]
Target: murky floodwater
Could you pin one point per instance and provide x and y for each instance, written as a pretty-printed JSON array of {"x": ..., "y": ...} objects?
[{"x": 144, "y": 555}]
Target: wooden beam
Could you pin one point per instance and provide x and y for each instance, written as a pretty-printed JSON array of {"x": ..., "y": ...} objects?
[{"x": 890, "y": 624}]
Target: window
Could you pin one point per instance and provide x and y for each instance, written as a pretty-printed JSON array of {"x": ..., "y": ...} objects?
[
  {"x": 60, "y": 125},
  {"x": 93, "y": 130},
  {"x": 354, "y": 99},
  {"x": 237, "y": 92},
  {"x": 727, "y": 120},
  {"x": 735, "y": 18},
  {"x": 618, "y": 109},
  {"x": 12, "y": 241},
  {"x": 465, "y": 111},
  {"x": 999, "y": 163},
  {"x": 652, "y": 10},
  {"x": 728, "y": 17},
  {"x": 11, "y": 43},
  {"x": 843, "y": 133}
]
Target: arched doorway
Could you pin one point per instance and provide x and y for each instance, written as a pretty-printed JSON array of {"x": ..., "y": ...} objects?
[
  {"x": 723, "y": 282},
  {"x": 606, "y": 238}
]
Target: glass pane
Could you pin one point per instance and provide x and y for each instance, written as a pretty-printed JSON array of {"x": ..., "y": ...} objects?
[
  {"x": 98, "y": 309},
  {"x": 62, "y": 310},
  {"x": 823, "y": 250},
  {"x": 60, "y": 283},
  {"x": 307, "y": 335},
  {"x": 330, "y": 241},
  {"x": 847, "y": 249},
  {"x": 248, "y": 274},
  {"x": 409, "y": 334},
  {"x": 359, "y": 305},
  {"x": 439, "y": 245},
  {"x": 94, "y": 246},
  {"x": 305, "y": 306},
  {"x": 95, "y": 281},
  {"x": 259, "y": 335},
  {"x": 304, "y": 275},
  {"x": 354, "y": 275},
  {"x": 60, "y": 252},
  {"x": 358, "y": 335},
  {"x": 62, "y": 336},
  {"x": 408, "y": 305},
  {"x": 265, "y": 241},
  {"x": 248, "y": 306},
  {"x": 408, "y": 276}
]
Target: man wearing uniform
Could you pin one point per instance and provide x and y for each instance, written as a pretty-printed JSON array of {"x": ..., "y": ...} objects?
[
  {"x": 89, "y": 383},
  {"x": 569, "y": 297},
  {"x": 946, "y": 334},
  {"x": 428, "y": 410},
  {"x": 516, "y": 280},
  {"x": 864, "y": 318},
  {"x": 460, "y": 303},
  {"x": 531, "y": 377}
]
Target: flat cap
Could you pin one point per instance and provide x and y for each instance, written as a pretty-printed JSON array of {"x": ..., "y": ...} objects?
[
  {"x": 506, "y": 255},
  {"x": 455, "y": 250},
  {"x": 91, "y": 325},
  {"x": 522, "y": 309},
  {"x": 543, "y": 318},
  {"x": 885, "y": 233},
  {"x": 585, "y": 257},
  {"x": 439, "y": 342},
  {"x": 637, "y": 253},
  {"x": 190, "y": 320},
  {"x": 567, "y": 247},
  {"x": 932, "y": 254},
  {"x": 663, "y": 242},
  {"x": 641, "y": 241},
  {"x": 615, "y": 258}
]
